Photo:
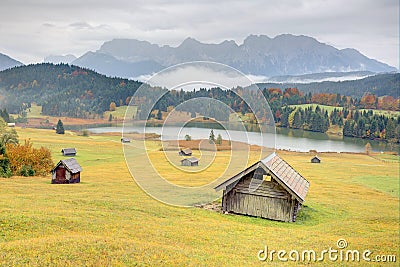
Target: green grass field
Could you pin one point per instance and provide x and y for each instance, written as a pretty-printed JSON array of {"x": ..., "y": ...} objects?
[
  {"x": 119, "y": 112},
  {"x": 107, "y": 220},
  {"x": 313, "y": 106},
  {"x": 388, "y": 113},
  {"x": 35, "y": 111}
]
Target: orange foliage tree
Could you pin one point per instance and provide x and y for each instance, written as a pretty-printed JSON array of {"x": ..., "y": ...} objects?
[
  {"x": 25, "y": 156},
  {"x": 113, "y": 106},
  {"x": 368, "y": 101}
]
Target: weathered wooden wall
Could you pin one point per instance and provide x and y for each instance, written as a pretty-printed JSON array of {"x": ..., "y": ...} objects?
[
  {"x": 65, "y": 177},
  {"x": 75, "y": 178},
  {"x": 270, "y": 200}
]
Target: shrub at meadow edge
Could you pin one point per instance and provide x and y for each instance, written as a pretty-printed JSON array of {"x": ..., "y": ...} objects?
[{"x": 26, "y": 160}]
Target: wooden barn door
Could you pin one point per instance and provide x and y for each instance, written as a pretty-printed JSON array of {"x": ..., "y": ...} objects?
[{"x": 60, "y": 175}]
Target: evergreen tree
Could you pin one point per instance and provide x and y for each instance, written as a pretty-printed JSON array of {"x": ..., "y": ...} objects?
[
  {"x": 60, "y": 127},
  {"x": 211, "y": 138},
  {"x": 159, "y": 115},
  {"x": 340, "y": 122},
  {"x": 391, "y": 129},
  {"x": 347, "y": 128},
  {"x": 7, "y": 135},
  {"x": 5, "y": 170},
  {"x": 297, "y": 123}
]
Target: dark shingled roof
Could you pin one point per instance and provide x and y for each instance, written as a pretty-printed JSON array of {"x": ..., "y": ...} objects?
[
  {"x": 187, "y": 151},
  {"x": 70, "y": 164},
  {"x": 125, "y": 140},
  {"x": 286, "y": 175},
  {"x": 68, "y": 151},
  {"x": 191, "y": 159}
]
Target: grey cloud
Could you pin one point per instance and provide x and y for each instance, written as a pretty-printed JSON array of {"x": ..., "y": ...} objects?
[
  {"x": 87, "y": 26},
  {"x": 367, "y": 25}
]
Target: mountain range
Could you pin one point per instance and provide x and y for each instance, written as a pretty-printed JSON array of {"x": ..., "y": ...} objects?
[
  {"x": 258, "y": 55},
  {"x": 56, "y": 59},
  {"x": 7, "y": 62},
  {"x": 278, "y": 59}
]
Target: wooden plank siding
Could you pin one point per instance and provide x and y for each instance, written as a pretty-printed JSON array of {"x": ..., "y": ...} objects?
[
  {"x": 270, "y": 200},
  {"x": 270, "y": 189}
]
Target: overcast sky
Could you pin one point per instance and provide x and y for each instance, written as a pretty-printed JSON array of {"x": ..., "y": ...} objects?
[{"x": 31, "y": 30}]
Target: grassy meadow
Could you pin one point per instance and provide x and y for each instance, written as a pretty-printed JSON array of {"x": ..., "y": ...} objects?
[
  {"x": 107, "y": 220},
  {"x": 388, "y": 113}
]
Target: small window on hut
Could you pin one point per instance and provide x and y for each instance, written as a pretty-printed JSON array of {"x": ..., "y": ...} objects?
[{"x": 258, "y": 174}]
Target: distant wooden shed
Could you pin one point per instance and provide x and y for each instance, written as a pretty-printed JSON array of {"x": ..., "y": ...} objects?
[
  {"x": 185, "y": 152},
  {"x": 193, "y": 161},
  {"x": 125, "y": 140},
  {"x": 68, "y": 152},
  {"x": 67, "y": 171},
  {"x": 315, "y": 160},
  {"x": 269, "y": 189}
]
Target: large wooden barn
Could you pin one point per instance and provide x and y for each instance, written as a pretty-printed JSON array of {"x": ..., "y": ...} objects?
[
  {"x": 270, "y": 189},
  {"x": 67, "y": 171}
]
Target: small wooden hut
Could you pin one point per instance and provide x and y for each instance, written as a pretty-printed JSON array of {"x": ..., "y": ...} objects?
[
  {"x": 270, "y": 189},
  {"x": 70, "y": 152},
  {"x": 125, "y": 140},
  {"x": 193, "y": 161},
  {"x": 185, "y": 152},
  {"x": 315, "y": 160},
  {"x": 67, "y": 171}
]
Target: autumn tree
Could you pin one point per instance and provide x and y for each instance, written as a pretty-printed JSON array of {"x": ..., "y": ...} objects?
[
  {"x": 26, "y": 160},
  {"x": 113, "y": 106},
  {"x": 368, "y": 148}
]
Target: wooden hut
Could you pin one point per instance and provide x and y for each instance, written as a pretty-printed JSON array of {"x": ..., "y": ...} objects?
[
  {"x": 193, "y": 161},
  {"x": 67, "y": 171},
  {"x": 270, "y": 189},
  {"x": 315, "y": 160},
  {"x": 125, "y": 140},
  {"x": 70, "y": 152},
  {"x": 185, "y": 152}
]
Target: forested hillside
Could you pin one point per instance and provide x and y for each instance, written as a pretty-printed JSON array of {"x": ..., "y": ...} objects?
[
  {"x": 62, "y": 90},
  {"x": 380, "y": 85}
]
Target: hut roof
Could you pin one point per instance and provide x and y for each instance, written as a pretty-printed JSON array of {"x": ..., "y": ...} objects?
[
  {"x": 315, "y": 157},
  {"x": 68, "y": 150},
  {"x": 186, "y": 151},
  {"x": 191, "y": 159},
  {"x": 70, "y": 164},
  {"x": 285, "y": 175}
]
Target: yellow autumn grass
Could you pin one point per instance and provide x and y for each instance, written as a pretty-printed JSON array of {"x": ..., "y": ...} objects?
[{"x": 106, "y": 220}]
